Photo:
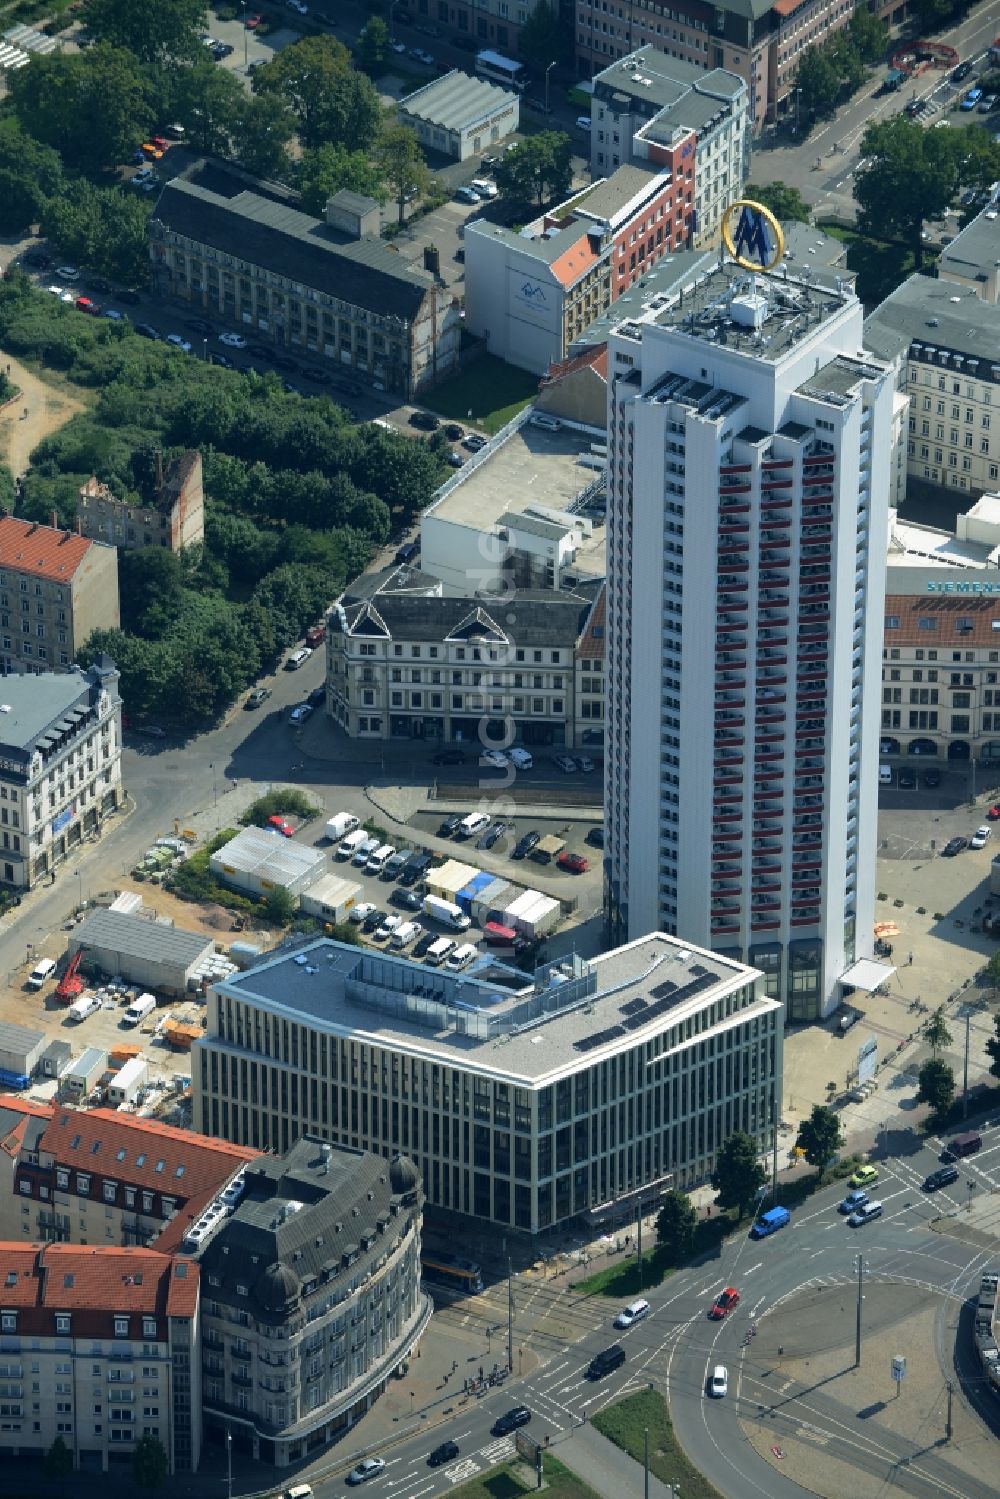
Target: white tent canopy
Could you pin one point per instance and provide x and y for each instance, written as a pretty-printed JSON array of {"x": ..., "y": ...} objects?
[{"x": 866, "y": 974}]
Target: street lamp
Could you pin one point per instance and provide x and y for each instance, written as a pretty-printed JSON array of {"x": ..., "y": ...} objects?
[
  {"x": 243, "y": 11},
  {"x": 548, "y": 70}
]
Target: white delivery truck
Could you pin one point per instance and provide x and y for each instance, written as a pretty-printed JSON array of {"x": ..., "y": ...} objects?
[
  {"x": 352, "y": 843},
  {"x": 139, "y": 1009},
  {"x": 446, "y": 912},
  {"x": 340, "y": 824},
  {"x": 84, "y": 1006}
]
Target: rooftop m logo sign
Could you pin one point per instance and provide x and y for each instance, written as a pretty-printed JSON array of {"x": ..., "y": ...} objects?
[{"x": 757, "y": 243}]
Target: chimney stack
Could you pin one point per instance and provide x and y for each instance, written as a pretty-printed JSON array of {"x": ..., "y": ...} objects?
[{"x": 55, "y": 520}]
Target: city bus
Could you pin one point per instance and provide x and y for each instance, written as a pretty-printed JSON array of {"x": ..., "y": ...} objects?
[
  {"x": 500, "y": 69},
  {"x": 450, "y": 1271}
]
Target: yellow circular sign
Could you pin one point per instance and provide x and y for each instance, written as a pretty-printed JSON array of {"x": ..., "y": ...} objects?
[{"x": 757, "y": 233}]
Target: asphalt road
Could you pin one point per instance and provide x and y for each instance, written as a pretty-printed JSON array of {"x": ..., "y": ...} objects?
[{"x": 804, "y": 1278}]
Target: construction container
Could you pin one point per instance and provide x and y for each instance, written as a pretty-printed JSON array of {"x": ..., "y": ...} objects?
[
  {"x": 125, "y": 1084},
  {"x": 180, "y": 1035}
]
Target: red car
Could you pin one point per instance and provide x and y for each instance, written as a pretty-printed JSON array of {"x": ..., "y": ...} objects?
[
  {"x": 992, "y": 814},
  {"x": 84, "y": 304},
  {"x": 253, "y": 22},
  {"x": 281, "y": 825},
  {"x": 161, "y": 141},
  {"x": 723, "y": 1303},
  {"x": 575, "y": 863},
  {"x": 315, "y": 634}
]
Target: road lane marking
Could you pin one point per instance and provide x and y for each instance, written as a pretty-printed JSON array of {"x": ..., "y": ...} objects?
[{"x": 753, "y": 1268}]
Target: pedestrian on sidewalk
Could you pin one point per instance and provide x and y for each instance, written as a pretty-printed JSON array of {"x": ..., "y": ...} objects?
[{"x": 909, "y": 960}]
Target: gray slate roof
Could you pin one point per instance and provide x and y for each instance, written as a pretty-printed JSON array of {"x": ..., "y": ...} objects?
[
  {"x": 976, "y": 251},
  {"x": 135, "y": 936},
  {"x": 456, "y": 101},
  {"x": 535, "y": 619},
  {"x": 671, "y": 81},
  {"x": 330, "y": 1213},
  {"x": 937, "y": 315},
  {"x": 217, "y": 210},
  {"x": 29, "y": 706}
]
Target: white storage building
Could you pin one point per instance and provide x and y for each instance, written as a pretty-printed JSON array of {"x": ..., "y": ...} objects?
[
  {"x": 153, "y": 954},
  {"x": 258, "y": 860},
  {"x": 126, "y": 1083},
  {"x": 20, "y": 1049},
  {"x": 460, "y": 116},
  {"x": 330, "y": 899},
  {"x": 84, "y": 1074}
]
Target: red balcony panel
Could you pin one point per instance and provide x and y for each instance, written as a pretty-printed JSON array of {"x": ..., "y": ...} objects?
[
  {"x": 775, "y": 503},
  {"x": 764, "y": 926},
  {"x": 809, "y": 921},
  {"x": 773, "y": 463},
  {"x": 720, "y": 837}
]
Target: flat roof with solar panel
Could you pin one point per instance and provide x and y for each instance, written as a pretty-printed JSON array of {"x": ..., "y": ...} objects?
[{"x": 656, "y": 992}]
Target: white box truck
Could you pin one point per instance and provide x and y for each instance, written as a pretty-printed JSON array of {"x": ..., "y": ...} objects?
[
  {"x": 86, "y": 1005},
  {"x": 446, "y": 912},
  {"x": 139, "y": 1009},
  {"x": 340, "y": 824}
]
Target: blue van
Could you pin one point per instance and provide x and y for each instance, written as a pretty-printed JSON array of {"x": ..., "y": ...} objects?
[{"x": 770, "y": 1222}]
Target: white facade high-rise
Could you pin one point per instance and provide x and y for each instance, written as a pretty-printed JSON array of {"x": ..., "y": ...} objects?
[{"x": 748, "y": 473}]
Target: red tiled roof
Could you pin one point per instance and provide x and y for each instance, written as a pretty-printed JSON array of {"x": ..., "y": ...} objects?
[
  {"x": 595, "y": 359},
  {"x": 12, "y": 1141},
  {"x": 590, "y": 646},
  {"x": 575, "y": 261},
  {"x": 940, "y": 612},
  {"x": 142, "y": 1152},
  {"x": 40, "y": 550},
  {"x": 94, "y": 1285}
]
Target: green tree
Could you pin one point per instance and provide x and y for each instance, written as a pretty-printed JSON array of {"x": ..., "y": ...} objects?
[
  {"x": 537, "y": 169},
  {"x": 675, "y": 1225},
  {"x": 786, "y": 203},
  {"x": 937, "y": 1035},
  {"x": 817, "y": 80},
  {"x": 105, "y": 227},
  {"x": 851, "y": 70},
  {"x": 58, "y": 1460},
  {"x": 993, "y": 1045},
  {"x": 331, "y": 100},
  {"x": 280, "y": 906},
  {"x": 401, "y": 163},
  {"x": 208, "y": 99},
  {"x": 819, "y": 1137},
  {"x": 264, "y": 128},
  {"x": 542, "y": 40},
  {"x": 152, "y": 591},
  {"x": 936, "y": 1086},
  {"x": 868, "y": 35},
  {"x": 993, "y": 969},
  {"x": 373, "y": 45},
  {"x": 89, "y": 106},
  {"x": 154, "y": 33},
  {"x": 910, "y": 175},
  {"x": 325, "y": 170},
  {"x": 149, "y": 1463},
  {"x": 738, "y": 1174}
]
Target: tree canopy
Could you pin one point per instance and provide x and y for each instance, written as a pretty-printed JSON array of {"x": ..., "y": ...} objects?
[
  {"x": 536, "y": 170},
  {"x": 936, "y": 1086},
  {"x": 149, "y": 1462},
  {"x": 325, "y": 170},
  {"x": 401, "y": 163},
  {"x": 786, "y": 203},
  {"x": 738, "y": 1174},
  {"x": 155, "y": 33},
  {"x": 911, "y": 174},
  {"x": 332, "y": 102},
  {"x": 542, "y": 40},
  {"x": 819, "y": 1136},
  {"x": 89, "y": 106},
  {"x": 675, "y": 1225},
  {"x": 833, "y": 70}
]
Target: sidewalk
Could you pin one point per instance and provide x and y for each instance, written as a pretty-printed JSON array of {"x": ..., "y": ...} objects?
[{"x": 604, "y": 1466}]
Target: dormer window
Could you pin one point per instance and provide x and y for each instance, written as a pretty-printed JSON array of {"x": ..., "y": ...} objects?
[{"x": 121, "y": 1327}]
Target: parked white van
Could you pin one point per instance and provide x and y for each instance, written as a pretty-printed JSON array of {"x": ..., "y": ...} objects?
[
  {"x": 43, "y": 969},
  {"x": 377, "y": 858},
  {"x": 86, "y": 1005},
  {"x": 634, "y": 1312},
  {"x": 298, "y": 658},
  {"x": 139, "y": 1009},
  {"x": 405, "y": 934},
  {"x": 439, "y": 950},
  {"x": 462, "y": 956},
  {"x": 351, "y": 844}
]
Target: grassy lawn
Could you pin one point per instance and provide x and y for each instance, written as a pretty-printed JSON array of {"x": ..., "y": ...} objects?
[
  {"x": 491, "y": 390},
  {"x": 622, "y": 1280},
  {"x": 504, "y": 1483},
  {"x": 624, "y": 1423},
  {"x": 880, "y": 266}
]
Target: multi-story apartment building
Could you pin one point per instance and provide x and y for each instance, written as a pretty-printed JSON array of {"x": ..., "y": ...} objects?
[
  {"x": 228, "y": 243},
  {"x": 590, "y": 679},
  {"x": 580, "y": 1091},
  {"x": 649, "y": 107},
  {"x": 747, "y": 511},
  {"x": 941, "y": 649},
  {"x": 942, "y": 338},
  {"x": 174, "y": 518},
  {"x": 56, "y": 589},
  {"x": 495, "y": 24},
  {"x": 96, "y": 1176},
  {"x": 312, "y": 1296},
  {"x": 100, "y": 1348},
  {"x": 972, "y": 258},
  {"x": 762, "y": 41},
  {"x": 60, "y": 766},
  {"x": 532, "y": 292},
  {"x": 409, "y": 663}
]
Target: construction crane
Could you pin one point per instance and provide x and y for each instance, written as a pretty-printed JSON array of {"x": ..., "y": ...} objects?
[{"x": 70, "y": 986}]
